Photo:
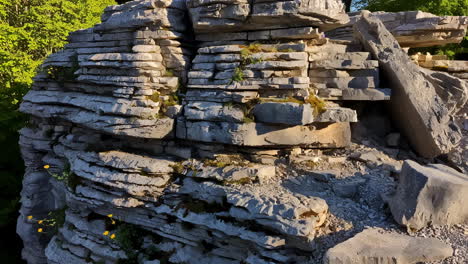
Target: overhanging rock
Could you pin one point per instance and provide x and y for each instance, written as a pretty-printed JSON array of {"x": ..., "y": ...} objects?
[
  {"x": 412, "y": 29},
  {"x": 416, "y": 106},
  {"x": 242, "y": 15}
]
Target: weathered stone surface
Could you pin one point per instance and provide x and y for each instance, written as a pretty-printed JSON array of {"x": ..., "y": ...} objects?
[
  {"x": 241, "y": 15},
  {"x": 414, "y": 28},
  {"x": 257, "y": 134},
  {"x": 213, "y": 112},
  {"x": 433, "y": 194},
  {"x": 378, "y": 246},
  {"x": 300, "y": 114},
  {"x": 104, "y": 112},
  {"x": 414, "y": 99}
]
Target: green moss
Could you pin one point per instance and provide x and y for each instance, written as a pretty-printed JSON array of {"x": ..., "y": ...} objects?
[
  {"x": 246, "y": 55},
  {"x": 318, "y": 104},
  {"x": 248, "y": 120},
  {"x": 238, "y": 75},
  {"x": 169, "y": 73},
  {"x": 242, "y": 181},
  {"x": 178, "y": 168},
  {"x": 222, "y": 161},
  {"x": 155, "y": 97},
  {"x": 215, "y": 163},
  {"x": 282, "y": 100},
  {"x": 309, "y": 163}
]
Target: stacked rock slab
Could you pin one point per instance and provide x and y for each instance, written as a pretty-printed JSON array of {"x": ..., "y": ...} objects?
[
  {"x": 263, "y": 84},
  {"x": 425, "y": 111},
  {"x": 441, "y": 63},
  {"x": 243, "y": 15},
  {"x": 103, "y": 120},
  {"x": 412, "y": 29},
  {"x": 118, "y": 80},
  {"x": 127, "y": 114}
]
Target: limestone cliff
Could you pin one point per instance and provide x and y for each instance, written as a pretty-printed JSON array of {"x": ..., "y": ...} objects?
[{"x": 158, "y": 135}]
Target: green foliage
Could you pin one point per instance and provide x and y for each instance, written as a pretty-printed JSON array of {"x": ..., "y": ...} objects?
[
  {"x": 238, "y": 75},
  {"x": 318, "y": 104},
  {"x": 30, "y": 30},
  {"x": 437, "y": 7},
  {"x": 246, "y": 53}
]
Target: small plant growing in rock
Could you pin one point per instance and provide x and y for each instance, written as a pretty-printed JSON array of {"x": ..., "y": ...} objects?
[
  {"x": 110, "y": 222},
  {"x": 169, "y": 73},
  {"x": 155, "y": 97},
  {"x": 67, "y": 176},
  {"x": 318, "y": 104},
  {"x": 238, "y": 75},
  {"x": 51, "y": 223},
  {"x": 246, "y": 59},
  {"x": 62, "y": 74}
]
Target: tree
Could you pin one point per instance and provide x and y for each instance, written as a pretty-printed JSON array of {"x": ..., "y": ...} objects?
[
  {"x": 437, "y": 7},
  {"x": 30, "y": 30}
]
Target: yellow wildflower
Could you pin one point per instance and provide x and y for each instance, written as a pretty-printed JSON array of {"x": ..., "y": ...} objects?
[
  {"x": 30, "y": 217},
  {"x": 40, "y": 230},
  {"x": 110, "y": 215},
  {"x": 112, "y": 236},
  {"x": 113, "y": 222},
  {"x": 40, "y": 222},
  {"x": 46, "y": 166},
  {"x": 106, "y": 233}
]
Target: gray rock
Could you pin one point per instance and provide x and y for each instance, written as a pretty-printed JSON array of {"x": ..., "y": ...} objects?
[
  {"x": 377, "y": 246},
  {"x": 214, "y": 112},
  {"x": 240, "y": 15},
  {"x": 434, "y": 194},
  {"x": 300, "y": 114},
  {"x": 413, "y": 28},
  {"x": 414, "y": 99},
  {"x": 257, "y": 134},
  {"x": 284, "y": 113},
  {"x": 393, "y": 139},
  {"x": 348, "y": 189}
]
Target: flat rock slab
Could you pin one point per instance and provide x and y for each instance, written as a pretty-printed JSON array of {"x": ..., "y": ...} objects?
[
  {"x": 337, "y": 135},
  {"x": 421, "y": 112},
  {"x": 377, "y": 247},
  {"x": 243, "y": 15},
  {"x": 434, "y": 194}
]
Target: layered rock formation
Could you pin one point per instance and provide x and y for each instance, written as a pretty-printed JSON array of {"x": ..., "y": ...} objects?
[
  {"x": 154, "y": 142},
  {"x": 412, "y": 29}
]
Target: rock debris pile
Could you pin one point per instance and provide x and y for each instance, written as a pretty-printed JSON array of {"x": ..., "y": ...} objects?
[{"x": 220, "y": 132}]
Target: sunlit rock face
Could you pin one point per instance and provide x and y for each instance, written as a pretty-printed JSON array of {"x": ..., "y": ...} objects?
[{"x": 161, "y": 134}]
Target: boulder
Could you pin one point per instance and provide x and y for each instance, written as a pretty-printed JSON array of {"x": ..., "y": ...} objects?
[
  {"x": 376, "y": 246},
  {"x": 434, "y": 194},
  {"x": 417, "y": 107}
]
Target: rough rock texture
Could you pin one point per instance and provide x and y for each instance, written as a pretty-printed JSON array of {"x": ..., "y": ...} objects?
[
  {"x": 154, "y": 142},
  {"x": 432, "y": 194},
  {"x": 242, "y": 15},
  {"x": 412, "y": 29},
  {"x": 421, "y": 113},
  {"x": 378, "y": 246}
]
